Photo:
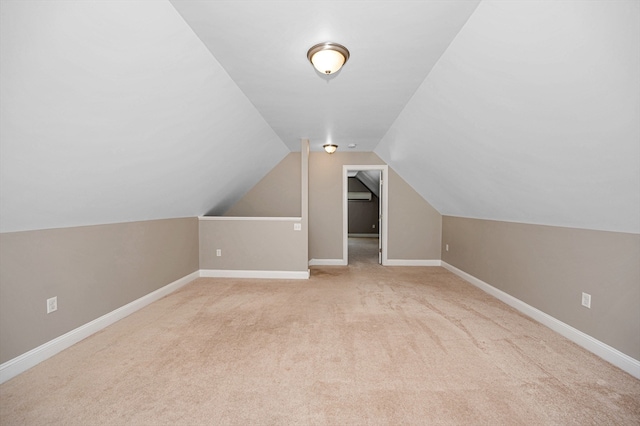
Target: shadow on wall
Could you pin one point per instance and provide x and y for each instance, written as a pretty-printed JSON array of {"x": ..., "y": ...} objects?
[
  {"x": 363, "y": 213},
  {"x": 221, "y": 206}
]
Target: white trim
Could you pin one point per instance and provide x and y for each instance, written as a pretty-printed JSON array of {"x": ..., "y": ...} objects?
[
  {"x": 604, "y": 351},
  {"x": 231, "y": 273},
  {"x": 257, "y": 218},
  {"x": 327, "y": 262},
  {"x": 384, "y": 199},
  {"x": 22, "y": 363},
  {"x": 413, "y": 262}
]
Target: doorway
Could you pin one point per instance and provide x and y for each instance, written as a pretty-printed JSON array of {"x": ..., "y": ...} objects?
[{"x": 361, "y": 246}]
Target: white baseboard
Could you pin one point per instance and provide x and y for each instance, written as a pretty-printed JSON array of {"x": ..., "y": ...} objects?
[
  {"x": 413, "y": 262},
  {"x": 22, "y": 363},
  {"x": 327, "y": 262},
  {"x": 226, "y": 273},
  {"x": 388, "y": 262},
  {"x": 363, "y": 235},
  {"x": 604, "y": 351}
]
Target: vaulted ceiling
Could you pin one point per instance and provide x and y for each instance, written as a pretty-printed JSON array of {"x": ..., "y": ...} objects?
[
  {"x": 522, "y": 111},
  {"x": 263, "y": 47}
]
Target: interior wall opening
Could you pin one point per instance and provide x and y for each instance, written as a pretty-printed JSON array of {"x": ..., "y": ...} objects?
[
  {"x": 364, "y": 214},
  {"x": 363, "y": 199}
]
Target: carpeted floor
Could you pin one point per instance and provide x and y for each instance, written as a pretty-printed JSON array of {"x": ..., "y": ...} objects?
[
  {"x": 363, "y": 251},
  {"x": 362, "y": 344}
]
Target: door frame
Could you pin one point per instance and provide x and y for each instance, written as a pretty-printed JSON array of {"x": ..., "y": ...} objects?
[{"x": 384, "y": 197}]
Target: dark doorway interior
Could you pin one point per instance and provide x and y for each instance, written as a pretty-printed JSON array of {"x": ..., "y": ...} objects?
[{"x": 363, "y": 227}]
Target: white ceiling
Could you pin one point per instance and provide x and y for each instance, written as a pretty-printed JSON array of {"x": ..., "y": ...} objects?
[
  {"x": 522, "y": 110},
  {"x": 532, "y": 115},
  {"x": 263, "y": 46},
  {"x": 113, "y": 111}
]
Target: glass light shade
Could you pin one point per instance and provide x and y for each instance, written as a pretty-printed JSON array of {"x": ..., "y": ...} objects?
[
  {"x": 327, "y": 61},
  {"x": 328, "y": 57},
  {"x": 330, "y": 148}
]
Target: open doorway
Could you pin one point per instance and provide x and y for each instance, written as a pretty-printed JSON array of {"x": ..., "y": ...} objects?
[
  {"x": 365, "y": 223},
  {"x": 363, "y": 199}
]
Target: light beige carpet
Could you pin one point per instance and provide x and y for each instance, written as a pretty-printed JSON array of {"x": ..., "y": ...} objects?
[{"x": 362, "y": 344}]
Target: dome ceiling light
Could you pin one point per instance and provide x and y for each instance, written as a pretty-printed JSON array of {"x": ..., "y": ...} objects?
[
  {"x": 330, "y": 148},
  {"x": 328, "y": 57}
]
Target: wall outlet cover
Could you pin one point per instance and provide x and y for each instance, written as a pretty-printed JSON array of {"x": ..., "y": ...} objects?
[{"x": 52, "y": 304}]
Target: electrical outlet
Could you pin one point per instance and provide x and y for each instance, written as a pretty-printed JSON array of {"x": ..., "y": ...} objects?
[
  {"x": 446, "y": 247},
  {"x": 297, "y": 227},
  {"x": 218, "y": 252},
  {"x": 373, "y": 226},
  {"x": 52, "y": 304},
  {"x": 586, "y": 300}
]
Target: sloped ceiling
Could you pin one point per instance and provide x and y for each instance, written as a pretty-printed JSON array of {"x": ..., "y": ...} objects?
[
  {"x": 532, "y": 115},
  {"x": 521, "y": 111},
  {"x": 263, "y": 46},
  {"x": 114, "y": 111}
]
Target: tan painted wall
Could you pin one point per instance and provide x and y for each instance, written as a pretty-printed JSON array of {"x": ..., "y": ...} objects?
[
  {"x": 549, "y": 268},
  {"x": 93, "y": 270},
  {"x": 414, "y": 226},
  {"x": 252, "y": 245},
  {"x": 275, "y": 195}
]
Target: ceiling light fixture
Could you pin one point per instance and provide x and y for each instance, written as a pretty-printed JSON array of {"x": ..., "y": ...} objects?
[
  {"x": 328, "y": 57},
  {"x": 330, "y": 148}
]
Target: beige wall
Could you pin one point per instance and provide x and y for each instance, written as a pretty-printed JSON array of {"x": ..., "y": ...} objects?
[
  {"x": 93, "y": 270},
  {"x": 549, "y": 268},
  {"x": 414, "y": 226},
  {"x": 276, "y": 195},
  {"x": 252, "y": 245}
]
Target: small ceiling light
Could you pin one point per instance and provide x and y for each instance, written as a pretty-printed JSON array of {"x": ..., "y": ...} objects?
[
  {"x": 328, "y": 57},
  {"x": 330, "y": 148},
  {"x": 352, "y": 145}
]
